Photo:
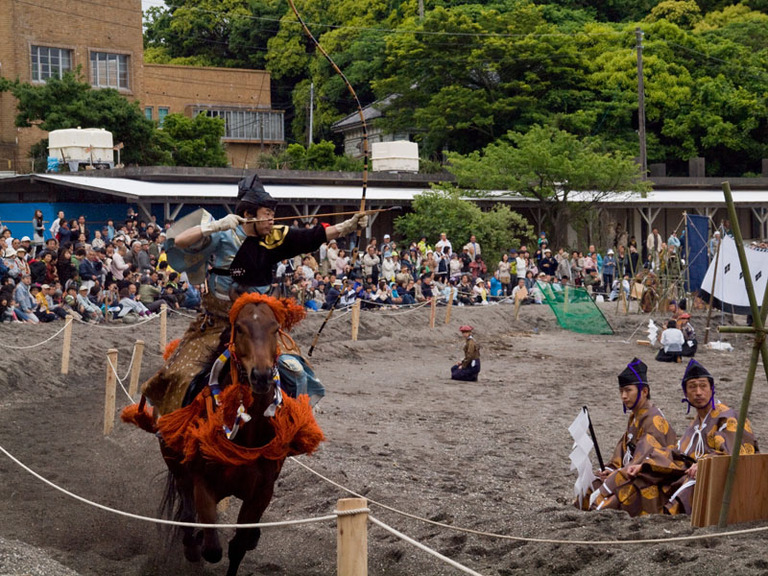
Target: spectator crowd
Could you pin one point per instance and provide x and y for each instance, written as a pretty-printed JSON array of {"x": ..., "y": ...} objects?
[
  {"x": 120, "y": 272},
  {"x": 90, "y": 273}
]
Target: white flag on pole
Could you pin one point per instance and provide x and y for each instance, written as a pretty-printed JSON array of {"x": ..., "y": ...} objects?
[{"x": 582, "y": 446}]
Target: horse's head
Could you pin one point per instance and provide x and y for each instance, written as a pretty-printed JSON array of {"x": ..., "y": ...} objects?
[
  {"x": 256, "y": 324},
  {"x": 255, "y": 336}
]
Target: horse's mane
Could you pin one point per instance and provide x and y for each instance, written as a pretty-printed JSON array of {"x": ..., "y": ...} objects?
[{"x": 287, "y": 311}]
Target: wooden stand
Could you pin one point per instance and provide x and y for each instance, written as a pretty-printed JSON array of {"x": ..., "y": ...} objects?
[
  {"x": 67, "y": 346},
  {"x": 109, "y": 394},
  {"x": 750, "y": 490},
  {"x": 138, "y": 352},
  {"x": 352, "y": 539},
  {"x": 355, "y": 319},
  {"x": 163, "y": 328}
]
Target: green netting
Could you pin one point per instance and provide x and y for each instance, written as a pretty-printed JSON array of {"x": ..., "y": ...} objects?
[{"x": 574, "y": 308}]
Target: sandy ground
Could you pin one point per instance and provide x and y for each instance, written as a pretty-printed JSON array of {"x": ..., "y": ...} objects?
[{"x": 490, "y": 456}]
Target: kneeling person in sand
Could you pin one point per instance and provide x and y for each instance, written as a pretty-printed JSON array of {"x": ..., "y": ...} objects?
[
  {"x": 468, "y": 368},
  {"x": 621, "y": 486}
]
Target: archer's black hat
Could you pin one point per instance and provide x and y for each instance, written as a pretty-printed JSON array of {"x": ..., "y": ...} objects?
[
  {"x": 636, "y": 372},
  {"x": 696, "y": 370},
  {"x": 251, "y": 194}
]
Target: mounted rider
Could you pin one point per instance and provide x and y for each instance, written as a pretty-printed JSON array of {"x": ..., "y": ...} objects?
[{"x": 242, "y": 249}]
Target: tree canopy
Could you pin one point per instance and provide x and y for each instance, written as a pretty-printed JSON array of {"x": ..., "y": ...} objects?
[
  {"x": 551, "y": 166},
  {"x": 469, "y": 71},
  {"x": 445, "y": 210}
]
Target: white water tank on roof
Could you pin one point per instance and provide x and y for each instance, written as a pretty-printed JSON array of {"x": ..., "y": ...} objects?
[
  {"x": 92, "y": 146},
  {"x": 396, "y": 156}
]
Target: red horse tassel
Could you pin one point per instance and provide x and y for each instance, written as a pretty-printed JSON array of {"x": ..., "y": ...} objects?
[
  {"x": 195, "y": 429},
  {"x": 140, "y": 415}
]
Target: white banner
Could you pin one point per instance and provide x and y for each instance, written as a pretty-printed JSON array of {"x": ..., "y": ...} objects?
[{"x": 730, "y": 288}]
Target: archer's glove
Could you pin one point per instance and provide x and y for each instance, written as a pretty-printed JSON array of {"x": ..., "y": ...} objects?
[
  {"x": 229, "y": 222},
  {"x": 357, "y": 222}
]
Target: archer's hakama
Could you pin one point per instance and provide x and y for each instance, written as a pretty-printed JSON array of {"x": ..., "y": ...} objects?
[{"x": 469, "y": 368}]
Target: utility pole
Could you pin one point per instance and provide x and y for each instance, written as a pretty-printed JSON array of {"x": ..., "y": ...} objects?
[
  {"x": 311, "y": 112},
  {"x": 641, "y": 105},
  {"x": 421, "y": 9}
]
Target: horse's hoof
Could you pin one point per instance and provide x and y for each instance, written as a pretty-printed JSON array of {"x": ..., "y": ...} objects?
[
  {"x": 192, "y": 549},
  {"x": 212, "y": 555}
]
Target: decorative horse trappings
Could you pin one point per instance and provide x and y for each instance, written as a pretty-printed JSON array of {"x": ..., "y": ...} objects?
[{"x": 233, "y": 437}]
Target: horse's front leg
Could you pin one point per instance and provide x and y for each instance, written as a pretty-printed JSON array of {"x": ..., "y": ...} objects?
[
  {"x": 250, "y": 513},
  {"x": 205, "y": 504}
]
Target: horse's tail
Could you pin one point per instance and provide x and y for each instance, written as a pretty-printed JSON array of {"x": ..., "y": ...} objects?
[{"x": 170, "y": 508}]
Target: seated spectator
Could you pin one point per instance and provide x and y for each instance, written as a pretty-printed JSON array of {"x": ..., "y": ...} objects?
[
  {"x": 620, "y": 286},
  {"x": 41, "y": 306},
  {"x": 192, "y": 296},
  {"x": 520, "y": 292},
  {"x": 25, "y": 301},
  {"x": 129, "y": 304},
  {"x": 89, "y": 311},
  {"x": 480, "y": 292},
  {"x": 465, "y": 295}
]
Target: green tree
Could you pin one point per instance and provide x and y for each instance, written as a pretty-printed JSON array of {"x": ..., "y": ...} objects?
[
  {"x": 319, "y": 156},
  {"x": 69, "y": 103},
  {"x": 195, "y": 141},
  {"x": 567, "y": 175},
  {"x": 445, "y": 210}
]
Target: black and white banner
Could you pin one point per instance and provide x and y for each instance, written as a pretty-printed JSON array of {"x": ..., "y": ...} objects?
[{"x": 730, "y": 291}]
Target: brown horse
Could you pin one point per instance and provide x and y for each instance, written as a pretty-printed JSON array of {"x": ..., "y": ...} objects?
[{"x": 206, "y": 463}]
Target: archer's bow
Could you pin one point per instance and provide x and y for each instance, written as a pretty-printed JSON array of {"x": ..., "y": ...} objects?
[
  {"x": 354, "y": 96},
  {"x": 365, "y": 141}
]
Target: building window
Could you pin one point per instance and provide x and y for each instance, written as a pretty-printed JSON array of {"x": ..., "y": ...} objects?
[
  {"x": 162, "y": 112},
  {"x": 110, "y": 70},
  {"x": 50, "y": 62},
  {"x": 148, "y": 112},
  {"x": 266, "y": 126}
]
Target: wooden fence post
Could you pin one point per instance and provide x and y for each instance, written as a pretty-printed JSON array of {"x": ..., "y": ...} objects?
[
  {"x": 138, "y": 352},
  {"x": 163, "y": 327},
  {"x": 355, "y": 319},
  {"x": 432, "y": 311},
  {"x": 109, "y": 394},
  {"x": 449, "y": 306},
  {"x": 352, "y": 538},
  {"x": 67, "y": 346}
]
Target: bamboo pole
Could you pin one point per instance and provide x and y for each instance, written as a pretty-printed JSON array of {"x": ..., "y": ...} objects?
[
  {"x": 109, "y": 394},
  {"x": 163, "y": 327},
  {"x": 352, "y": 538},
  {"x": 712, "y": 292},
  {"x": 760, "y": 346},
  {"x": 449, "y": 306},
  {"x": 355, "y": 319},
  {"x": 432, "y": 312},
  {"x": 66, "y": 347},
  {"x": 138, "y": 352}
]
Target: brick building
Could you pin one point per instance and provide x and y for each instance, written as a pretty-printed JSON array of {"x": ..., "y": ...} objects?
[{"x": 104, "y": 38}]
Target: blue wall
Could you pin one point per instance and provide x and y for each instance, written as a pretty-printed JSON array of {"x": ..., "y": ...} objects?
[{"x": 18, "y": 217}]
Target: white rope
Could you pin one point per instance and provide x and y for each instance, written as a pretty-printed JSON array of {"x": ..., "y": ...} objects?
[
  {"x": 33, "y": 345},
  {"x": 532, "y": 540},
  {"x": 183, "y": 314},
  {"x": 421, "y": 546},
  {"x": 122, "y": 326},
  {"x": 162, "y": 520},
  {"x": 119, "y": 381}
]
